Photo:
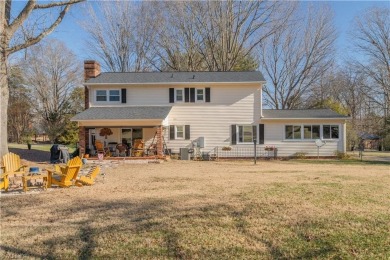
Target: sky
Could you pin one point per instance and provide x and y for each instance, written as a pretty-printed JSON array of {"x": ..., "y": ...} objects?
[{"x": 70, "y": 31}]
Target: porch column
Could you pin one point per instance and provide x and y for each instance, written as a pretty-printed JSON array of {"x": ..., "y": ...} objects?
[
  {"x": 159, "y": 141},
  {"x": 82, "y": 140}
]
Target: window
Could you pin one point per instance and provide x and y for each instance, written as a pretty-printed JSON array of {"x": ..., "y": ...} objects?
[
  {"x": 293, "y": 132},
  {"x": 179, "y": 133},
  {"x": 311, "y": 132},
  {"x": 199, "y": 94},
  {"x": 330, "y": 131},
  {"x": 101, "y": 95},
  {"x": 114, "y": 95},
  {"x": 245, "y": 133},
  {"x": 179, "y": 95}
]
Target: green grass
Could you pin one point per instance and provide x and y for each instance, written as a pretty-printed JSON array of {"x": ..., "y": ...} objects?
[{"x": 39, "y": 147}]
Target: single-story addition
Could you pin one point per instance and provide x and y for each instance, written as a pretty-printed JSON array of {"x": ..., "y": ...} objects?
[{"x": 215, "y": 112}]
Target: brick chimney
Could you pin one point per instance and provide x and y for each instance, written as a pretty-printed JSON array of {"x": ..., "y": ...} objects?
[{"x": 91, "y": 70}]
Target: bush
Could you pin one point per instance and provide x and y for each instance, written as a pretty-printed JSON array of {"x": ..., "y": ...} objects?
[
  {"x": 300, "y": 155},
  {"x": 341, "y": 155}
]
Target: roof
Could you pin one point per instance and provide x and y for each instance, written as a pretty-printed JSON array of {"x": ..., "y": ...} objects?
[
  {"x": 112, "y": 113},
  {"x": 175, "y": 77},
  {"x": 301, "y": 114}
]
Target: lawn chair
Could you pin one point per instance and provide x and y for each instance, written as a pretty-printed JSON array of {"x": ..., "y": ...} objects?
[
  {"x": 121, "y": 150},
  {"x": 65, "y": 176},
  {"x": 88, "y": 179},
  {"x": 100, "y": 149},
  {"x": 4, "y": 182},
  {"x": 13, "y": 165}
]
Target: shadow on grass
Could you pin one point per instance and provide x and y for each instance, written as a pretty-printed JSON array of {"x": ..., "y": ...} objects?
[
  {"x": 32, "y": 155},
  {"x": 347, "y": 162}
]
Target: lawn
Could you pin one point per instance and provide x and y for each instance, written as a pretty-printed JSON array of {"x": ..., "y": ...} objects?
[{"x": 207, "y": 210}]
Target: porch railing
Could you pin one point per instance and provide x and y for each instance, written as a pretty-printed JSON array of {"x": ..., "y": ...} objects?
[{"x": 237, "y": 152}]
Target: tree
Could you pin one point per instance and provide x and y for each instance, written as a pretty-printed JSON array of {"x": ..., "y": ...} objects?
[
  {"x": 52, "y": 72},
  {"x": 20, "y": 107},
  {"x": 16, "y": 34},
  {"x": 296, "y": 57},
  {"x": 121, "y": 35},
  {"x": 214, "y": 35}
]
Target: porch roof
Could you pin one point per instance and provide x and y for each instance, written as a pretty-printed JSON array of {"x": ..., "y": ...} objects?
[{"x": 115, "y": 113}]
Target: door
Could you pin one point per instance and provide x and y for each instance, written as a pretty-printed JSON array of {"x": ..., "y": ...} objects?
[{"x": 127, "y": 136}]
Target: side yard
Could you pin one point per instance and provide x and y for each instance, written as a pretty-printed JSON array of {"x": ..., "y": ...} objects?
[{"x": 207, "y": 210}]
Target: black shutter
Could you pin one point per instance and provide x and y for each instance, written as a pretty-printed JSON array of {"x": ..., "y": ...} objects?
[
  {"x": 172, "y": 132},
  {"x": 207, "y": 94},
  {"x": 234, "y": 134},
  {"x": 123, "y": 95},
  {"x": 192, "y": 95},
  {"x": 187, "y": 132},
  {"x": 261, "y": 134},
  {"x": 171, "y": 95},
  {"x": 187, "y": 95}
]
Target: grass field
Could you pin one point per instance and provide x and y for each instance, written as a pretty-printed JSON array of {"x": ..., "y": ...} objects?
[{"x": 207, "y": 210}]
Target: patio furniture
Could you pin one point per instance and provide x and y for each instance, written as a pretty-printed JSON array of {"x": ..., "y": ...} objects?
[
  {"x": 121, "y": 150},
  {"x": 65, "y": 176},
  {"x": 13, "y": 165},
  {"x": 4, "y": 182},
  {"x": 88, "y": 179},
  {"x": 101, "y": 149},
  {"x": 35, "y": 176}
]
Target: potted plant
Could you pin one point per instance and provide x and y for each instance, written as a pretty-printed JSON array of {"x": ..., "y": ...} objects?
[
  {"x": 105, "y": 132},
  {"x": 226, "y": 148}
]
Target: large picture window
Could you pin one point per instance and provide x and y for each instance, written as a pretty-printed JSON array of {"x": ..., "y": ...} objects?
[
  {"x": 245, "y": 133},
  {"x": 311, "y": 132}
]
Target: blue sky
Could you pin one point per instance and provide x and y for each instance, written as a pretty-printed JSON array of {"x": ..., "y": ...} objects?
[{"x": 72, "y": 34}]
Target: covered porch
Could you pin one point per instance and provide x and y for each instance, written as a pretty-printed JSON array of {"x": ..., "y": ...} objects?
[{"x": 122, "y": 132}]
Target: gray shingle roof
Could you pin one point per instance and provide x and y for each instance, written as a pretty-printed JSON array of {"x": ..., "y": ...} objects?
[
  {"x": 301, "y": 114},
  {"x": 140, "y": 112},
  {"x": 175, "y": 77}
]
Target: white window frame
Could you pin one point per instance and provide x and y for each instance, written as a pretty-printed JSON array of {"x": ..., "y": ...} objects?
[
  {"x": 184, "y": 132},
  {"x": 238, "y": 134},
  {"x": 330, "y": 125},
  {"x": 96, "y": 95},
  {"x": 119, "y": 95},
  {"x": 303, "y": 132},
  {"x": 107, "y": 91},
  {"x": 182, "y": 91},
  {"x": 203, "y": 95}
]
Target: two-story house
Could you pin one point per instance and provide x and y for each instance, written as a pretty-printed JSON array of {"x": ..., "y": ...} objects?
[{"x": 219, "y": 109}]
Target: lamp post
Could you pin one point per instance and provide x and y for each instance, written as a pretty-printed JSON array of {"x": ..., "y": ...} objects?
[{"x": 254, "y": 151}]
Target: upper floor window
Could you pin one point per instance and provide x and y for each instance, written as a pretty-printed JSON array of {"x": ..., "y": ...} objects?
[
  {"x": 113, "y": 95},
  {"x": 199, "y": 94},
  {"x": 179, "y": 93},
  {"x": 101, "y": 95}
]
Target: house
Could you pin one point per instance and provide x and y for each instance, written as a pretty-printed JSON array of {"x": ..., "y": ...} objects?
[{"x": 214, "y": 109}]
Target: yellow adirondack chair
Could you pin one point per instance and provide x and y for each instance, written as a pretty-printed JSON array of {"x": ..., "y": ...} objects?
[
  {"x": 13, "y": 165},
  {"x": 88, "y": 179},
  {"x": 65, "y": 176},
  {"x": 4, "y": 183}
]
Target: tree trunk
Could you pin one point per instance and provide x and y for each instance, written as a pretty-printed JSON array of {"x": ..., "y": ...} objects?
[{"x": 4, "y": 92}]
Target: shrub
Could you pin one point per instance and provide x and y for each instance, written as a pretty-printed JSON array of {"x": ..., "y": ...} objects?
[
  {"x": 341, "y": 155},
  {"x": 300, "y": 155}
]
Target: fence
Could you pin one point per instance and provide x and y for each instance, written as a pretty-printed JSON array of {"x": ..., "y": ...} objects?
[{"x": 237, "y": 152}]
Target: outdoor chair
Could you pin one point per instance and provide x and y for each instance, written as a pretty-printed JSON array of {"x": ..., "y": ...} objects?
[
  {"x": 4, "y": 182},
  {"x": 121, "y": 150},
  {"x": 88, "y": 179},
  {"x": 65, "y": 176},
  {"x": 13, "y": 165},
  {"x": 101, "y": 149}
]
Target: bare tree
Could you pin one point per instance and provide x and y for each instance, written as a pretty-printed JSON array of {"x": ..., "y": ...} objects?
[
  {"x": 371, "y": 38},
  {"x": 295, "y": 57},
  {"x": 52, "y": 72},
  {"x": 32, "y": 28},
  {"x": 215, "y": 35},
  {"x": 120, "y": 35}
]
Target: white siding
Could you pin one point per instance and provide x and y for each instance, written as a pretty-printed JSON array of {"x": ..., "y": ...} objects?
[
  {"x": 229, "y": 105},
  {"x": 274, "y": 135}
]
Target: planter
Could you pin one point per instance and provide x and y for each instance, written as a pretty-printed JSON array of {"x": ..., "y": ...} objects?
[
  {"x": 29, "y": 146},
  {"x": 86, "y": 155}
]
